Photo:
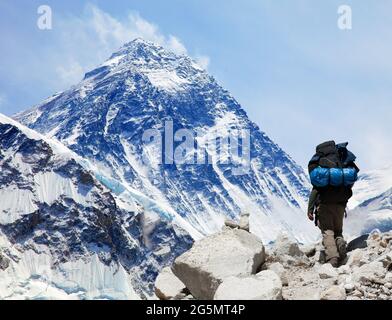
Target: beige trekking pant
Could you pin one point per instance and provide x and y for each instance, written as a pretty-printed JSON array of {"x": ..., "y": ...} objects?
[{"x": 331, "y": 224}]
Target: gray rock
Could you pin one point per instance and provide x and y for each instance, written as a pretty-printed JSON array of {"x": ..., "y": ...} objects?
[
  {"x": 286, "y": 260},
  {"x": 278, "y": 268},
  {"x": 385, "y": 290},
  {"x": 355, "y": 258},
  {"x": 266, "y": 285},
  {"x": 357, "y": 293},
  {"x": 334, "y": 293},
  {"x": 231, "y": 252},
  {"x": 231, "y": 224},
  {"x": 349, "y": 287},
  {"x": 388, "y": 277},
  {"x": 4, "y": 262},
  {"x": 168, "y": 286},
  {"x": 371, "y": 272},
  {"x": 371, "y": 296},
  {"x": 327, "y": 271},
  {"x": 386, "y": 260},
  {"x": 244, "y": 221},
  {"x": 284, "y": 245},
  {"x": 344, "y": 269},
  {"x": 310, "y": 292},
  {"x": 388, "y": 285},
  {"x": 309, "y": 251}
]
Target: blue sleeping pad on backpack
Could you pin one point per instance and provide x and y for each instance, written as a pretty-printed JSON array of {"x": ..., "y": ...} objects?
[
  {"x": 350, "y": 175},
  {"x": 335, "y": 177},
  {"x": 322, "y": 177},
  {"x": 319, "y": 177}
]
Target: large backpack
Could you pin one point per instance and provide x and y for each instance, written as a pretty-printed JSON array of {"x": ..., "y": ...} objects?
[{"x": 333, "y": 171}]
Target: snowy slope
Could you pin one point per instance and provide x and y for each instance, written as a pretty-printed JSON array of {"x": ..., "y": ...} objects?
[
  {"x": 371, "y": 205},
  {"x": 371, "y": 184},
  {"x": 374, "y": 213},
  {"x": 141, "y": 86},
  {"x": 66, "y": 232}
]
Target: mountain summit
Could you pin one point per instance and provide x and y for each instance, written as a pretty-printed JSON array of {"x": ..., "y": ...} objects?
[{"x": 144, "y": 87}]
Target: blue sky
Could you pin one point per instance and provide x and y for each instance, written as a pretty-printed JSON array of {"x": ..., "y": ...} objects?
[{"x": 300, "y": 77}]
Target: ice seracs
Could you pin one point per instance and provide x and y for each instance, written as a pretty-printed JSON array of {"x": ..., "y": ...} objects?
[{"x": 67, "y": 232}]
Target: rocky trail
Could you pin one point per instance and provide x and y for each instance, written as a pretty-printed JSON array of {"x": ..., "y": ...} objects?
[{"x": 235, "y": 265}]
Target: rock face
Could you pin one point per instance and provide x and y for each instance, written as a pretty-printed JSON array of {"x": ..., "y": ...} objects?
[
  {"x": 266, "y": 285},
  {"x": 231, "y": 252},
  {"x": 168, "y": 286},
  {"x": 4, "y": 262}
]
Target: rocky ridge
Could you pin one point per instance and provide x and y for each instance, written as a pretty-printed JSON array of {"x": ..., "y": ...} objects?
[{"x": 233, "y": 264}]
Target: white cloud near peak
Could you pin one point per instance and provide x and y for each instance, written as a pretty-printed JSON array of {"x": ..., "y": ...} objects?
[
  {"x": 88, "y": 40},
  {"x": 203, "y": 61}
]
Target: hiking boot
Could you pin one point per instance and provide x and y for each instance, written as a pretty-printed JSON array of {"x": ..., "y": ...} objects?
[
  {"x": 342, "y": 248},
  {"x": 334, "y": 262}
]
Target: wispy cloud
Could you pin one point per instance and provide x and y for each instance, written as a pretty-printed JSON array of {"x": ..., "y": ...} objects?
[
  {"x": 203, "y": 61},
  {"x": 87, "y": 40}
]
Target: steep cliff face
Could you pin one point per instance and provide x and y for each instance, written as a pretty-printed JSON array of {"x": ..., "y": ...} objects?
[
  {"x": 63, "y": 233},
  {"x": 143, "y": 87}
]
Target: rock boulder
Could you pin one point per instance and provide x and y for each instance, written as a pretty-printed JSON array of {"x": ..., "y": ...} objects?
[
  {"x": 231, "y": 252},
  {"x": 167, "y": 285},
  {"x": 266, "y": 285},
  {"x": 284, "y": 245},
  {"x": 334, "y": 293}
]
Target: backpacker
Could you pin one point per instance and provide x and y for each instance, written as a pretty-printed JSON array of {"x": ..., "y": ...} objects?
[{"x": 333, "y": 171}]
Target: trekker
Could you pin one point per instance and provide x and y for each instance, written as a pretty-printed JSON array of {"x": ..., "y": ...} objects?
[{"x": 333, "y": 173}]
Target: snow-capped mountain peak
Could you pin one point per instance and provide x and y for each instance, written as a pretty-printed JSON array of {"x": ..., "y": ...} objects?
[{"x": 144, "y": 87}]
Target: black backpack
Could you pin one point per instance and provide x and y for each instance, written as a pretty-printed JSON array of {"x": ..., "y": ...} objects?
[{"x": 332, "y": 155}]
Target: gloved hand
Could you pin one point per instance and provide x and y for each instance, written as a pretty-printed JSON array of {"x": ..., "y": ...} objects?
[{"x": 310, "y": 216}]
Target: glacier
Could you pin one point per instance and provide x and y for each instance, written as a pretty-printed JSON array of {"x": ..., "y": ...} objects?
[{"x": 68, "y": 232}]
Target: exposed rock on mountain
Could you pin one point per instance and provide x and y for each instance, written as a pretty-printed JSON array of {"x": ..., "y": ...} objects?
[{"x": 63, "y": 230}]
